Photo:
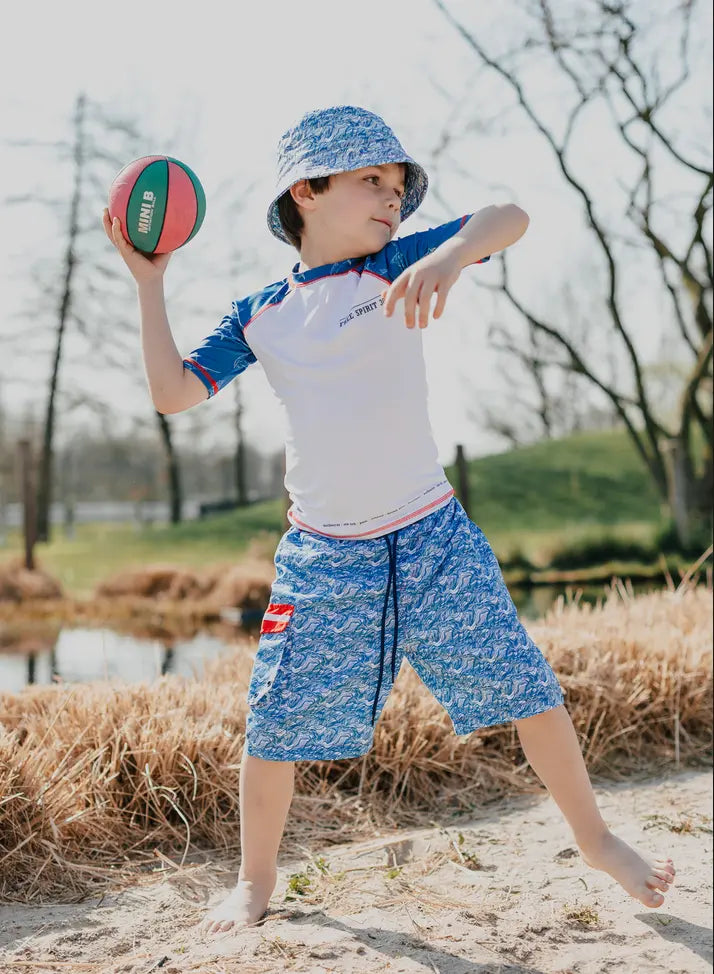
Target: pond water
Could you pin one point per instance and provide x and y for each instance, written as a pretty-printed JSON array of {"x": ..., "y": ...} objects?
[{"x": 84, "y": 654}]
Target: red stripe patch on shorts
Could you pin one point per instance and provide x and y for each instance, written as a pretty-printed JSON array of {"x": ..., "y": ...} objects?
[{"x": 276, "y": 617}]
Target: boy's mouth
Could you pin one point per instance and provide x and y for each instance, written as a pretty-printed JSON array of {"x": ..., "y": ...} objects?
[{"x": 385, "y": 222}]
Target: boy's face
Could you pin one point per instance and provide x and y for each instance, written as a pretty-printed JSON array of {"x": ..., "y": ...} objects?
[{"x": 359, "y": 212}]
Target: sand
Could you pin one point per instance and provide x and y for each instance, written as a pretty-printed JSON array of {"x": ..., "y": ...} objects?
[{"x": 413, "y": 901}]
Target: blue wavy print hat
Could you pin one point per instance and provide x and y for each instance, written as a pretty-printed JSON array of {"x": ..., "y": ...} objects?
[{"x": 340, "y": 139}]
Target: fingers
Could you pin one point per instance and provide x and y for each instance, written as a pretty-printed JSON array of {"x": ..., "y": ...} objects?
[
  {"x": 410, "y": 301},
  {"x": 417, "y": 291},
  {"x": 118, "y": 236},
  {"x": 107, "y": 224},
  {"x": 112, "y": 229},
  {"x": 425, "y": 295},
  {"x": 441, "y": 291},
  {"x": 395, "y": 291}
]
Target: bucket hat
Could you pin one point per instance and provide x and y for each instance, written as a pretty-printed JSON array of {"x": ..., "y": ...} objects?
[{"x": 340, "y": 139}]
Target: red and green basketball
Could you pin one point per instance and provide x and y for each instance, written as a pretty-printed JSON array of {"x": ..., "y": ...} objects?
[{"x": 160, "y": 202}]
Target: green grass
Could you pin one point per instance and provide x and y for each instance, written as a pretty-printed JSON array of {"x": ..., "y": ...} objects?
[
  {"x": 582, "y": 501},
  {"x": 590, "y": 478},
  {"x": 99, "y": 550}
]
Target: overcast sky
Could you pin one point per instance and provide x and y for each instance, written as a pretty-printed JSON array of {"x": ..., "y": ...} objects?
[{"x": 235, "y": 76}]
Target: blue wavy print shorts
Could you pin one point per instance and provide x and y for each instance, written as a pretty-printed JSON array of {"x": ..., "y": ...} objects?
[{"x": 344, "y": 613}]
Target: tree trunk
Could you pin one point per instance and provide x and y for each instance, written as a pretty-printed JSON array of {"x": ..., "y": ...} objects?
[
  {"x": 689, "y": 496},
  {"x": 241, "y": 488},
  {"x": 44, "y": 485},
  {"x": 174, "y": 473}
]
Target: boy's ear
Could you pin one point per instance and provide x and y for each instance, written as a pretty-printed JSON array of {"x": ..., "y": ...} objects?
[{"x": 302, "y": 194}]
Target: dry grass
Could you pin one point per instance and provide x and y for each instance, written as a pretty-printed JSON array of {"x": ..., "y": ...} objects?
[
  {"x": 98, "y": 781},
  {"x": 153, "y": 602},
  {"x": 227, "y": 583},
  {"x": 19, "y": 584}
]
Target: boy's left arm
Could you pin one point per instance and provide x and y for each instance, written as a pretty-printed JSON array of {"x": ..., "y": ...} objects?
[{"x": 489, "y": 230}]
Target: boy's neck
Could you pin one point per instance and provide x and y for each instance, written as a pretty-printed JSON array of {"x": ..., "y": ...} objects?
[{"x": 314, "y": 254}]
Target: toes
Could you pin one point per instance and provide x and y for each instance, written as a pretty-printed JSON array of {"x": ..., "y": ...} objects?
[
  {"x": 655, "y": 900},
  {"x": 654, "y": 882},
  {"x": 664, "y": 868}
]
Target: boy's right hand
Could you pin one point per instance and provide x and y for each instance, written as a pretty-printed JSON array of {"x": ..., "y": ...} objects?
[{"x": 144, "y": 267}]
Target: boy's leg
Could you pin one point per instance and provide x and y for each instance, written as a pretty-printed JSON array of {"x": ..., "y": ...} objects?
[
  {"x": 551, "y": 746},
  {"x": 474, "y": 654},
  {"x": 266, "y": 790}
]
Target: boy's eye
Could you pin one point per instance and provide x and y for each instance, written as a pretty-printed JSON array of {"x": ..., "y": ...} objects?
[{"x": 399, "y": 192}]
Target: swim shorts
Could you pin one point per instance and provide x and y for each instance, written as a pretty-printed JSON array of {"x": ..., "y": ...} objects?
[{"x": 342, "y": 616}]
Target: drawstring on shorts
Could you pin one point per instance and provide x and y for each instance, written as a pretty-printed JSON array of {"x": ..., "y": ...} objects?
[{"x": 391, "y": 589}]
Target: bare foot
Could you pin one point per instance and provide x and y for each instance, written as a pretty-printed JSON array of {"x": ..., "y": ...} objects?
[
  {"x": 636, "y": 875},
  {"x": 244, "y": 905}
]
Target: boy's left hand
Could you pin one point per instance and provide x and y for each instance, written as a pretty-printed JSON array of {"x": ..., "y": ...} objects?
[{"x": 434, "y": 273}]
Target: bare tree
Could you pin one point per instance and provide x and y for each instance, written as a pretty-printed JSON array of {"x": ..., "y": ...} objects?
[
  {"x": 44, "y": 483},
  {"x": 540, "y": 401},
  {"x": 89, "y": 282},
  {"x": 598, "y": 51},
  {"x": 240, "y": 261},
  {"x": 77, "y": 295}
]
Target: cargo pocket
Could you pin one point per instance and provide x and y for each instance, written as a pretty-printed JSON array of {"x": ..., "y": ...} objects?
[{"x": 268, "y": 667}]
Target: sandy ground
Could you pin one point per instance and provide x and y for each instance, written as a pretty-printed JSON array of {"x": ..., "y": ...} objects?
[{"x": 413, "y": 902}]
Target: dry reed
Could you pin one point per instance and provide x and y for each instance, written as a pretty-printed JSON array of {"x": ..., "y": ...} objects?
[
  {"x": 20, "y": 584},
  {"x": 153, "y": 602},
  {"x": 100, "y": 781}
]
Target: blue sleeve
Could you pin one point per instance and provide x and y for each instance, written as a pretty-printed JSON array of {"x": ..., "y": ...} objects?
[
  {"x": 222, "y": 355},
  {"x": 403, "y": 251}
]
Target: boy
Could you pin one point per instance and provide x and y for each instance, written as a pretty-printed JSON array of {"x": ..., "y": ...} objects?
[{"x": 374, "y": 522}]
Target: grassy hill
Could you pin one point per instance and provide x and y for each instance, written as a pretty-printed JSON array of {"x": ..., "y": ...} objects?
[
  {"x": 590, "y": 478},
  {"x": 579, "y": 502}
]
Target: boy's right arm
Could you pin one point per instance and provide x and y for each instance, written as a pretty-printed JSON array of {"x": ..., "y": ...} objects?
[{"x": 172, "y": 387}]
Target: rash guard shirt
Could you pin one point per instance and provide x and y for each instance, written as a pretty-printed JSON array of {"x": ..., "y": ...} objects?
[{"x": 361, "y": 459}]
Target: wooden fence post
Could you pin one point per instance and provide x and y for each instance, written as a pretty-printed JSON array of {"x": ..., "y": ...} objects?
[
  {"x": 28, "y": 502},
  {"x": 286, "y": 499},
  {"x": 462, "y": 474}
]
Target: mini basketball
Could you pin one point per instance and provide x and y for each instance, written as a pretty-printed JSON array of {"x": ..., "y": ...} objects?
[{"x": 160, "y": 202}]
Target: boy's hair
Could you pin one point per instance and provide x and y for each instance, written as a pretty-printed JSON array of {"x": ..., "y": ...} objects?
[{"x": 289, "y": 211}]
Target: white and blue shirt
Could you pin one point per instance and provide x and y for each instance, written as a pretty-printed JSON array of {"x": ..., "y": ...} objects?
[{"x": 361, "y": 459}]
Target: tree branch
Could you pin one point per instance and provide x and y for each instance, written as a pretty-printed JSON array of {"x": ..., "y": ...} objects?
[{"x": 653, "y": 457}]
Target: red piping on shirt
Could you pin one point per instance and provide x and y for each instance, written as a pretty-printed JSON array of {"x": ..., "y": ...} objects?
[
  {"x": 378, "y": 276},
  {"x": 270, "y": 304},
  {"x": 210, "y": 378},
  {"x": 294, "y": 285}
]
